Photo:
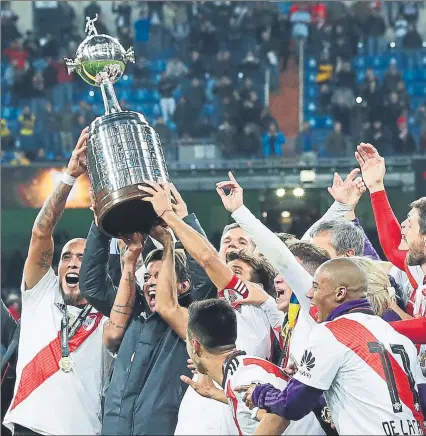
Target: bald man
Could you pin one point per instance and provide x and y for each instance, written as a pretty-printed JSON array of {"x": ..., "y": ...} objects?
[
  {"x": 61, "y": 358},
  {"x": 368, "y": 372}
]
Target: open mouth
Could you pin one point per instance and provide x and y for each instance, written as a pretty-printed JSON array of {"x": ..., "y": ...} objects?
[
  {"x": 151, "y": 297},
  {"x": 280, "y": 293},
  {"x": 72, "y": 279}
]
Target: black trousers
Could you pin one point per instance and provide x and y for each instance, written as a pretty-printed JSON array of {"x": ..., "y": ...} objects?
[{"x": 23, "y": 431}]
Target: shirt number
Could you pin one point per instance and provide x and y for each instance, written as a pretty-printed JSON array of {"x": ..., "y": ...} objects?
[{"x": 379, "y": 348}]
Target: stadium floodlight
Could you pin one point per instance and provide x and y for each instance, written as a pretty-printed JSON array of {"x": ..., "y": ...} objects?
[
  {"x": 298, "y": 192},
  {"x": 280, "y": 192}
]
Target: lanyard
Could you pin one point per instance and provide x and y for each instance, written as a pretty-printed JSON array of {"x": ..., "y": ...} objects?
[{"x": 66, "y": 334}]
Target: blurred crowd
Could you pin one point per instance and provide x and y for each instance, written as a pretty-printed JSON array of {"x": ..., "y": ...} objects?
[
  {"x": 361, "y": 52},
  {"x": 194, "y": 82},
  {"x": 206, "y": 83}
]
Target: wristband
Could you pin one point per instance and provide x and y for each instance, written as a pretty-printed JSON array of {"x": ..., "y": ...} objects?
[{"x": 68, "y": 180}]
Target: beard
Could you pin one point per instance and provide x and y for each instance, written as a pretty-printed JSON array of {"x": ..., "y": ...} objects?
[
  {"x": 416, "y": 255},
  {"x": 70, "y": 299}
]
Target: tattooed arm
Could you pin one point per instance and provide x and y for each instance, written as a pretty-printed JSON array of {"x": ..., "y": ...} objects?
[
  {"x": 40, "y": 253},
  {"x": 166, "y": 295},
  {"x": 124, "y": 301}
]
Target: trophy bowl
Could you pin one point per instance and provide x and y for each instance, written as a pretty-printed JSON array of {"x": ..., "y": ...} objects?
[{"x": 123, "y": 150}]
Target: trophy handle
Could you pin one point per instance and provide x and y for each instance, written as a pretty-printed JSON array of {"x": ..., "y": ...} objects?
[
  {"x": 71, "y": 65},
  {"x": 130, "y": 55}
]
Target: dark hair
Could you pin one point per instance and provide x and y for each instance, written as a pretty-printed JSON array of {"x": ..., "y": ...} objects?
[
  {"x": 263, "y": 272},
  {"x": 420, "y": 205},
  {"x": 181, "y": 266},
  {"x": 214, "y": 323},
  {"x": 232, "y": 226},
  {"x": 285, "y": 237},
  {"x": 311, "y": 256}
]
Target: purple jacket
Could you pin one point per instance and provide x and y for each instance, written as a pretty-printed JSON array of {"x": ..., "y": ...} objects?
[{"x": 368, "y": 246}]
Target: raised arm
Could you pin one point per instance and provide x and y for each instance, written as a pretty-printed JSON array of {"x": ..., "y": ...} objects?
[
  {"x": 277, "y": 253},
  {"x": 124, "y": 302},
  {"x": 373, "y": 172},
  {"x": 40, "y": 253},
  {"x": 201, "y": 285},
  {"x": 195, "y": 244},
  {"x": 166, "y": 298},
  {"x": 95, "y": 282}
]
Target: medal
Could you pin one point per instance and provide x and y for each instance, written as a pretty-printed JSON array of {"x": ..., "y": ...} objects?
[
  {"x": 326, "y": 415},
  {"x": 71, "y": 319},
  {"x": 65, "y": 363}
]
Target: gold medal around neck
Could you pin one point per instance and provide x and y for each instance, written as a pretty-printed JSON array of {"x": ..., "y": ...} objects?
[{"x": 65, "y": 363}]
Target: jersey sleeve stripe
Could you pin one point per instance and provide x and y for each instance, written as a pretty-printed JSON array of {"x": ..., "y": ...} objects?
[{"x": 356, "y": 337}]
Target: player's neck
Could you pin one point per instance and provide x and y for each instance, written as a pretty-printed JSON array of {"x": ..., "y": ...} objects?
[
  {"x": 215, "y": 368},
  {"x": 423, "y": 267}
]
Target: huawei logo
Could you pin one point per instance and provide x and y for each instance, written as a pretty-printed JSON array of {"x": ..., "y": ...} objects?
[{"x": 308, "y": 360}]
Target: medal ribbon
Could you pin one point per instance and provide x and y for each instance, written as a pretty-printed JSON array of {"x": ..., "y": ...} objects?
[{"x": 66, "y": 334}]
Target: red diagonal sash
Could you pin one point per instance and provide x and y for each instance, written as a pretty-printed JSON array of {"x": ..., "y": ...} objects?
[
  {"x": 45, "y": 362},
  {"x": 356, "y": 337}
]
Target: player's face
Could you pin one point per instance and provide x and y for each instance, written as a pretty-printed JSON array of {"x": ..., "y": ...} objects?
[
  {"x": 69, "y": 270},
  {"x": 150, "y": 283},
  {"x": 241, "y": 269},
  {"x": 283, "y": 291},
  {"x": 235, "y": 240},
  {"x": 414, "y": 239},
  {"x": 323, "y": 240},
  {"x": 324, "y": 295}
]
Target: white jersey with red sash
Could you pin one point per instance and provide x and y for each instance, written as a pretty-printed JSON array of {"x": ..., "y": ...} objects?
[
  {"x": 199, "y": 415},
  {"x": 417, "y": 302},
  {"x": 46, "y": 399},
  {"x": 239, "y": 370},
  {"x": 370, "y": 375}
]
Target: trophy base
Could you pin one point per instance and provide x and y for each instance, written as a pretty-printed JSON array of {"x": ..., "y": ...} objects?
[{"x": 123, "y": 212}]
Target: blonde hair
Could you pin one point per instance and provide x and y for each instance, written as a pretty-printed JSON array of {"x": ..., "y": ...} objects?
[{"x": 380, "y": 292}]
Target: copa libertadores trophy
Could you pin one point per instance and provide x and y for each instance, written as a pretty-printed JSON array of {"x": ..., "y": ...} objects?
[{"x": 123, "y": 151}]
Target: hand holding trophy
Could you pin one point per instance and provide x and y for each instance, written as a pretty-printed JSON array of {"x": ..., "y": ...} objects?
[{"x": 124, "y": 151}]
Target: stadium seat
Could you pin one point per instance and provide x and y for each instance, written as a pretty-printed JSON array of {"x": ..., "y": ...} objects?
[
  {"x": 312, "y": 91},
  {"x": 8, "y": 113},
  {"x": 311, "y": 107},
  {"x": 311, "y": 64},
  {"x": 311, "y": 77},
  {"x": 409, "y": 75}
]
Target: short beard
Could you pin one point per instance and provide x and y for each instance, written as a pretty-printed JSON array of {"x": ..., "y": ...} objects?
[
  {"x": 70, "y": 299},
  {"x": 416, "y": 256}
]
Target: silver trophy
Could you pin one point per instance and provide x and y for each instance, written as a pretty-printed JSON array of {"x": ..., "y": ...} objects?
[{"x": 124, "y": 151}]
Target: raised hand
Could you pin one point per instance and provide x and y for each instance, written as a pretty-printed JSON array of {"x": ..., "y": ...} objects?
[
  {"x": 234, "y": 199},
  {"x": 161, "y": 234},
  {"x": 179, "y": 206},
  {"x": 135, "y": 243},
  {"x": 372, "y": 166},
  {"x": 159, "y": 196},
  {"x": 347, "y": 191},
  {"x": 77, "y": 164}
]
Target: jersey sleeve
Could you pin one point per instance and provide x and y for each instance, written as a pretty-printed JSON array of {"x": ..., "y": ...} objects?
[
  {"x": 48, "y": 283},
  {"x": 321, "y": 359},
  {"x": 275, "y": 317},
  {"x": 238, "y": 290}
]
